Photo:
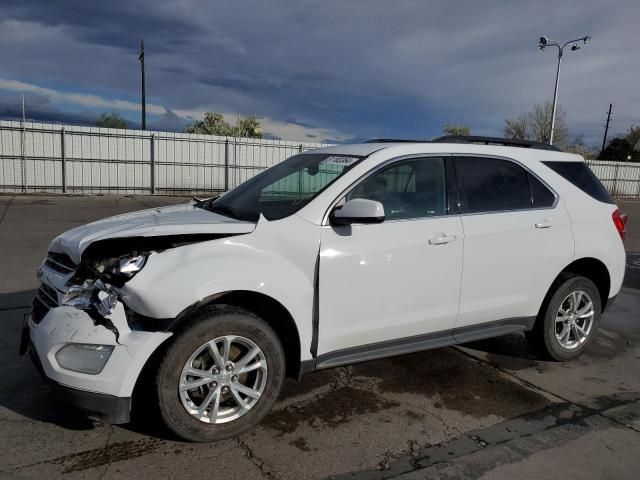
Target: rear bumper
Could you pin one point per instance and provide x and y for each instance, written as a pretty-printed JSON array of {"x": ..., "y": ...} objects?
[{"x": 97, "y": 406}]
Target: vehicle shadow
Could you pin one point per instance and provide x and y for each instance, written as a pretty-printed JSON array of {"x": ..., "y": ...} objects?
[
  {"x": 510, "y": 351},
  {"x": 513, "y": 353},
  {"x": 515, "y": 346}
]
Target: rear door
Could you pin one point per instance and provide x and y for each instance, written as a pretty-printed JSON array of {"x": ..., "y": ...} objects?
[{"x": 517, "y": 239}]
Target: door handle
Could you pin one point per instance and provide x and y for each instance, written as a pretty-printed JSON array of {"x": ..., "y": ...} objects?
[
  {"x": 544, "y": 224},
  {"x": 441, "y": 239}
]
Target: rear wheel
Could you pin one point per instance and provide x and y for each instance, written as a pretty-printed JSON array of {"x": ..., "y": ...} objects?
[
  {"x": 569, "y": 321},
  {"x": 221, "y": 375}
]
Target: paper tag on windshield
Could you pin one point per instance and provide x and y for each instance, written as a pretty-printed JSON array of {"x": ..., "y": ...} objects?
[{"x": 338, "y": 160}]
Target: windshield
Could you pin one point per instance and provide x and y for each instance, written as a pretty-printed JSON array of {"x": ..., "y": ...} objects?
[{"x": 283, "y": 189}]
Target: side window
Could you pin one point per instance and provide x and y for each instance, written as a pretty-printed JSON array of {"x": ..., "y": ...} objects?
[
  {"x": 407, "y": 189},
  {"x": 490, "y": 185},
  {"x": 541, "y": 196}
]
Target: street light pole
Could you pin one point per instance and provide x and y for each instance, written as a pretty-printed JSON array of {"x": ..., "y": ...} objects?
[
  {"x": 555, "y": 99},
  {"x": 545, "y": 42}
]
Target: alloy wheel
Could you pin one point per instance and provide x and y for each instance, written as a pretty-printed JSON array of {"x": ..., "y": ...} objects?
[
  {"x": 574, "y": 320},
  {"x": 223, "y": 379}
]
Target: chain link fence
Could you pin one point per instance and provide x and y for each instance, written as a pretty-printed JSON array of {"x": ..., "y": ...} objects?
[{"x": 40, "y": 157}]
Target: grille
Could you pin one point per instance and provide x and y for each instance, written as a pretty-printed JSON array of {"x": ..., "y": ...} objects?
[
  {"x": 46, "y": 298},
  {"x": 60, "y": 263}
]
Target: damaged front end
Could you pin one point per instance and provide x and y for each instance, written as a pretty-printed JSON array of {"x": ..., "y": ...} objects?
[
  {"x": 84, "y": 332},
  {"x": 88, "y": 297},
  {"x": 95, "y": 286},
  {"x": 106, "y": 266},
  {"x": 80, "y": 331}
]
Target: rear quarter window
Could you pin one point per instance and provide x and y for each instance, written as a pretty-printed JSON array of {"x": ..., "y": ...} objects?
[
  {"x": 541, "y": 196},
  {"x": 580, "y": 175}
]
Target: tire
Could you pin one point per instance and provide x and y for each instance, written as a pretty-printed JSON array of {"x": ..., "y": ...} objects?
[
  {"x": 559, "y": 335},
  {"x": 242, "y": 331}
]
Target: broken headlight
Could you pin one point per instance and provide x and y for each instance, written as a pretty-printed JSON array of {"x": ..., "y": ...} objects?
[
  {"x": 125, "y": 266},
  {"x": 129, "y": 265}
]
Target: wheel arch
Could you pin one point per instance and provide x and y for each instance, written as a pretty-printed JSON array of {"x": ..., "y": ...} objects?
[
  {"x": 589, "y": 267},
  {"x": 269, "y": 309}
]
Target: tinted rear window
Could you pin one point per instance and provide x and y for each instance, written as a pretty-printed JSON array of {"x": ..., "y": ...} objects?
[{"x": 582, "y": 177}]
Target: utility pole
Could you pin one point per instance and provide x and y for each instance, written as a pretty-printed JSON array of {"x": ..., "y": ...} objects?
[
  {"x": 606, "y": 128},
  {"x": 144, "y": 95}
]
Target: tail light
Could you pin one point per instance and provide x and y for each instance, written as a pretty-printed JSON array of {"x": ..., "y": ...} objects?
[{"x": 620, "y": 221}]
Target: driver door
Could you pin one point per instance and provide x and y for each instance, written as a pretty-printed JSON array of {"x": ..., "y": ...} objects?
[{"x": 399, "y": 278}]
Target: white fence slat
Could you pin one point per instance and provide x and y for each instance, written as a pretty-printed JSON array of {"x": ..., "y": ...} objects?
[{"x": 111, "y": 161}]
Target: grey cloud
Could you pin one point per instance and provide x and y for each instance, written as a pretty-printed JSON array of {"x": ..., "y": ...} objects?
[
  {"x": 367, "y": 68},
  {"x": 39, "y": 109},
  {"x": 169, "y": 122}
]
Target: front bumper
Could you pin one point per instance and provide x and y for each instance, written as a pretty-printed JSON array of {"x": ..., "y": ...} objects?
[
  {"x": 97, "y": 406},
  {"x": 107, "y": 395}
]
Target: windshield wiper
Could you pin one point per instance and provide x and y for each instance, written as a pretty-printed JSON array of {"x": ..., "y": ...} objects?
[{"x": 204, "y": 202}]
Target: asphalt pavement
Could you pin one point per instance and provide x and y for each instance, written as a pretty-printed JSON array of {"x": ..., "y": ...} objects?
[{"x": 489, "y": 409}]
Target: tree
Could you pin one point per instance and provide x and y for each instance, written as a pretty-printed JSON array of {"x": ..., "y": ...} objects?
[
  {"x": 516, "y": 128},
  {"x": 579, "y": 147},
  {"x": 248, "y": 127},
  {"x": 536, "y": 125},
  {"x": 111, "y": 120},
  {"x": 456, "y": 129},
  {"x": 215, "y": 124},
  {"x": 619, "y": 149},
  {"x": 633, "y": 136}
]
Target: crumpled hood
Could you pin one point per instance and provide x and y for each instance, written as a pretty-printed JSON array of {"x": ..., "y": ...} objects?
[{"x": 186, "y": 219}]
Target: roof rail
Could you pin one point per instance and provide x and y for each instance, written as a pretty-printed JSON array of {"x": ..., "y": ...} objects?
[
  {"x": 395, "y": 140},
  {"x": 507, "y": 142}
]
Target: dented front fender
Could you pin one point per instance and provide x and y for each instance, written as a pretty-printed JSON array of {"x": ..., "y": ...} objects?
[{"x": 277, "y": 260}]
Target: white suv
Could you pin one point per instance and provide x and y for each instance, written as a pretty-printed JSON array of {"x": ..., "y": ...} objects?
[{"x": 332, "y": 257}]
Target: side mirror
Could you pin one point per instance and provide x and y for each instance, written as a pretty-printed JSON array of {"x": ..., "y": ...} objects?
[{"x": 358, "y": 210}]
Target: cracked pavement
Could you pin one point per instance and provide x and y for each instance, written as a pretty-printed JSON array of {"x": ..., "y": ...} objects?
[{"x": 489, "y": 409}]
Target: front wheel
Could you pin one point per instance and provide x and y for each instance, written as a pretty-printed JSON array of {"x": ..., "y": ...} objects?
[
  {"x": 570, "y": 320},
  {"x": 221, "y": 375}
]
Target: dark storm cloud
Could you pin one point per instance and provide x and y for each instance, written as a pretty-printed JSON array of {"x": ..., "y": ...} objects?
[
  {"x": 119, "y": 24},
  {"x": 366, "y": 68}
]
